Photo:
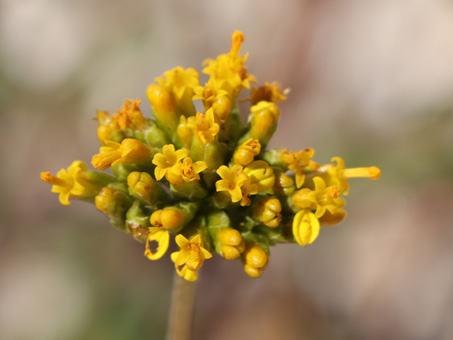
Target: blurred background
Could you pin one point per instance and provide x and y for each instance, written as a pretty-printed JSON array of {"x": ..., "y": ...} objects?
[{"x": 371, "y": 82}]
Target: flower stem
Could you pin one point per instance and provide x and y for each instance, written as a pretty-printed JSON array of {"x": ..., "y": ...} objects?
[{"x": 181, "y": 309}]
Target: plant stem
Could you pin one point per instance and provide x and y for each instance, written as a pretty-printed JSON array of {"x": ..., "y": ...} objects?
[{"x": 181, "y": 309}]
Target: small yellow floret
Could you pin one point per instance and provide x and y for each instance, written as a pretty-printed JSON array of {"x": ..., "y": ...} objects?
[
  {"x": 298, "y": 162},
  {"x": 129, "y": 151},
  {"x": 182, "y": 83},
  {"x": 232, "y": 181},
  {"x": 68, "y": 182},
  {"x": 245, "y": 153},
  {"x": 321, "y": 199},
  {"x": 204, "y": 126},
  {"x": 167, "y": 159},
  {"x": 191, "y": 256}
]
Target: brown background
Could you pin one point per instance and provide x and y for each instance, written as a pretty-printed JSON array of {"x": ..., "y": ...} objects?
[{"x": 371, "y": 81}]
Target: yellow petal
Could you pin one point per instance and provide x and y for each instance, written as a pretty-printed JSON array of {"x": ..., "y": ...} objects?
[
  {"x": 305, "y": 227},
  {"x": 162, "y": 237}
]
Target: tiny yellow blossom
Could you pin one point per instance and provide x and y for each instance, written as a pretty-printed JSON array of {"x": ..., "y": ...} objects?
[
  {"x": 305, "y": 227},
  {"x": 190, "y": 170},
  {"x": 338, "y": 175},
  {"x": 232, "y": 181},
  {"x": 245, "y": 153},
  {"x": 130, "y": 116},
  {"x": 182, "y": 83},
  {"x": 321, "y": 199},
  {"x": 204, "y": 126},
  {"x": 67, "y": 183},
  {"x": 260, "y": 174},
  {"x": 166, "y": 160},
  {"x": 228, "y": 71},
  {"x": 268, "y": 92},
  {"x": 298, "y": 162},
  {"x": 129, "y": 151},
  {"x": 191, "y": 256},
  {"x": 255, "y": 259},
  {"x": 162, "y": 237}
]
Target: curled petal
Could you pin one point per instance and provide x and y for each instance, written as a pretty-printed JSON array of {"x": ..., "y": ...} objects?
[
  {"x": 305, "y": 227},
  {"x": 162, "y": 237}
]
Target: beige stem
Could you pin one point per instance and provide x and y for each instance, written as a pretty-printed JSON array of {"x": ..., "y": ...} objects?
[{"x": 181, "y": 309}]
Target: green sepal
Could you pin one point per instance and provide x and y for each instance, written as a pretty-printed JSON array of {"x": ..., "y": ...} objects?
[{"x": 137, "y": 221}]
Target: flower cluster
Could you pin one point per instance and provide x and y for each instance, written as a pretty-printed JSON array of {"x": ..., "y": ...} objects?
[{"x": 205, "y": 178}]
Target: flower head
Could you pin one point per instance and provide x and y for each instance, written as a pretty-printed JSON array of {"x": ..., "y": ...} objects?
[{"x": 224, "y": 191}]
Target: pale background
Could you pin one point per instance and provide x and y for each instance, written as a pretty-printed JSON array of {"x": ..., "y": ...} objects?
[{"x": 371, "y": 81}]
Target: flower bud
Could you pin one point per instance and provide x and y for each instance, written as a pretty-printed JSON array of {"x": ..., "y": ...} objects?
[
  {"x": 164, "y": 107},
  {"x": 305, "y": 227},
  {"x": 267, "y": 210},
  {"x": 283, "y": 185},
  {"x": 167, "y": 218},
  {"x": 246, "y": 152},
  {"x": 231, "y": 243},
  {"x": 261, "y": 174},
  {"x": 255, "y": 261},
  {"x": 113, "y": 203}
]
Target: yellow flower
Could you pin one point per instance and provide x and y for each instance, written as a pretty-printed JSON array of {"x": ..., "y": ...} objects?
[
  {"x": 107, "y": 126},
  {"x": 216, "y": 99},
  {"x": 191, "y": 256},
  {"x": 130, "y": 116},
  {"x": 205, "y": 126},
  {"x": 268, "y": 92},
  {"x": 129, "y": 151},
  {"x": 338, "y": 175},
  {"x": 67, "y": 183},
  {"x": 245, "y": 153},
  {"x": 190, "y": 171},
  {"x": 228, "y": 71},
  {"x": 298, "y": 162},
  {"x": 182, "y": 83},
  {"x": 260, "y": 174},
  {"x": 142, "y": 184},
  {"x": 232, "y": 181},
  {"x": 322, "y": 198},
  {"x": 255, "y": 259},
  {"x": 162, "y": 237},
  {"x": 166, "y": 160},
  {"x": 305, "y": 227}
]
